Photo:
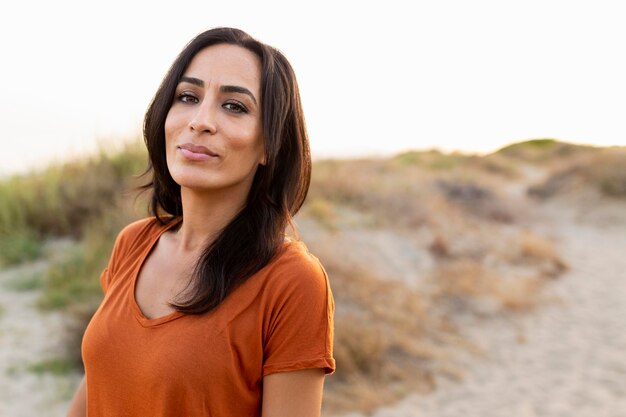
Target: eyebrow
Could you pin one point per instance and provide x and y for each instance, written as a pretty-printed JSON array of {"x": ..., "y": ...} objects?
[{"x": 224, "y": 88}]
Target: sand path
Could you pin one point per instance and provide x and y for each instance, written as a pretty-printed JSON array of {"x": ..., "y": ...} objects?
[
  {"x": 567, "y": 357},
  {"x": 28, "y": 336}
]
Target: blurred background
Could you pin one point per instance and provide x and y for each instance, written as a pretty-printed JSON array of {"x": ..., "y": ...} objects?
[{"x": 468, "y": 196}]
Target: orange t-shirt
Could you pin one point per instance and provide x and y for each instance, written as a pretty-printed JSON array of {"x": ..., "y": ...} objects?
[{"x": 213, "y": 364}]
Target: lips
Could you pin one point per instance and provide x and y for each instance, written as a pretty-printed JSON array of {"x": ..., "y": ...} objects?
[{"x": 192, "y": 152}]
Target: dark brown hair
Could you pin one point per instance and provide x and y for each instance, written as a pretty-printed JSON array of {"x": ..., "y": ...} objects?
[{"x": 279, "y": 187}]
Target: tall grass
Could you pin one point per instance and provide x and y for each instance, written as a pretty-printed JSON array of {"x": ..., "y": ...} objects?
[{"x": 61, "y": 200}]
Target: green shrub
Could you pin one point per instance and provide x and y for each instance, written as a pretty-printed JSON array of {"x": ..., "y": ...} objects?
[
  {"x": 19, "y": 246},
  {"x": 57, "y": 366}
]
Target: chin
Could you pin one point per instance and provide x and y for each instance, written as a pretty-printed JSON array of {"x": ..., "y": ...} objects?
[{"x": 190, "y": 178}]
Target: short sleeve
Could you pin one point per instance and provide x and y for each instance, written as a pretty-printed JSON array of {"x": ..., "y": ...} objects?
[
  {"x": 300, "y": 333},
  {"x": 105, "y": 276},
  {"x": 104, "y": 279},
  {"x": 122, "y": 241}
]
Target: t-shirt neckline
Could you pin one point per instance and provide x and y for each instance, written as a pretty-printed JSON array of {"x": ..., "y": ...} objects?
[{"x": 139, "y": 315}]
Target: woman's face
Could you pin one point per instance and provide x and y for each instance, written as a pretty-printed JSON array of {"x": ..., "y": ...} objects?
[{"x": 213, "y": 132}]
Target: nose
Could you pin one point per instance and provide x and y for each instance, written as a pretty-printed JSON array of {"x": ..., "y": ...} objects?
[{"x": 204, "y": 119}]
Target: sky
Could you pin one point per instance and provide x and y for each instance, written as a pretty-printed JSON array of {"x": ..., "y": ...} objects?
[{"x": 376, "y": 77}]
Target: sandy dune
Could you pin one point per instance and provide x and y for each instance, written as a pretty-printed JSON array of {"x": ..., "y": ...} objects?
[
  {"x": 28, "y": 336},
  {"x": 565, "y": 358}
]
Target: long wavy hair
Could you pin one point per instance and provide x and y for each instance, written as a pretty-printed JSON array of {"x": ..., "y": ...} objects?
[{"x": 279, "y": 188}]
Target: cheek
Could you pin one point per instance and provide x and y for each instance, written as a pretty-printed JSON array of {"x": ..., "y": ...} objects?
[
  {"x": 249, "y": 150},
  {"x": 169, "y": 125},
  {"x": 245, "y": 138},
  {"x": 169, "y": 128}
]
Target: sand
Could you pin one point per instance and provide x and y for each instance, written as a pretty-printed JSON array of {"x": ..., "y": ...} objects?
[
  {"x": 27, "y": 337},
  {"x": 565, "y": 358}
]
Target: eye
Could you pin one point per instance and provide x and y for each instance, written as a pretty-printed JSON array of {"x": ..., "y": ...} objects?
[
  {"x": 235, "y": 107},
  {"x": 186, "y": 97}
]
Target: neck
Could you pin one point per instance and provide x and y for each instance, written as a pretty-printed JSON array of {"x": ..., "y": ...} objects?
[{"x": 204, "y": 217}]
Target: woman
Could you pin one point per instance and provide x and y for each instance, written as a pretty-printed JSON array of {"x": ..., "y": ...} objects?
[{"x": 209, "y": 309}]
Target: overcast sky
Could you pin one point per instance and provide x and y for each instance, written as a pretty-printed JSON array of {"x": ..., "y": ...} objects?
[{"x": 375, "y": 77}]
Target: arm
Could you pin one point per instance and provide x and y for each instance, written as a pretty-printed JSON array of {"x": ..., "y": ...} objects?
[
  {"x": 294, "y": 393},
  {"x": 78, "y": 408}
]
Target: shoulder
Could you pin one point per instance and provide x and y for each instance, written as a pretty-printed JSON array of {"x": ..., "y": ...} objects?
[
  {"x": 142, "y": 228},
  {"x": 295, "y": 255},
  {"x": 295, "y": 268},
  {"x": 139, "y": 226},
  {"x": 134, "y": 236}
]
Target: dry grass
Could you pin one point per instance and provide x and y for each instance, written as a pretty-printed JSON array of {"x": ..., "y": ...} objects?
[
  {"x": 603, "y": 171},
  {"x": 492, "y": 274},
  {"x": 399, "y": 192},
  {"x": 519, "y": 294},
  {"x": 465, "y": 286},
  {"x": 541, "y": 253},
  {"x": 370, "y": 186},
  {"x": 386, "y": 341},
  {"x": 476, "y": 199},
  {"x": 607, "y": 173}
]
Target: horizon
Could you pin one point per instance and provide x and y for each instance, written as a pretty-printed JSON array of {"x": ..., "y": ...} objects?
[
  {"x": 375, "y": 80},
  {"x": 120, "y": 143}
]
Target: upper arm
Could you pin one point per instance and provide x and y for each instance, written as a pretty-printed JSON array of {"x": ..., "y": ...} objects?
[
  {"x": 299, "y": 330},
  {"x": 295, "y": 393},
  {"x": 78, "y": 407}
]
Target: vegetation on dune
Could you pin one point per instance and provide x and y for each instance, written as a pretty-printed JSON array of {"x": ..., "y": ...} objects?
[
  {"x": 19, "y": 245},
  {"x": 62, "y": 200},
  {"x": 407, "y": 195},
  {"x": 603, "y": 171},
  {"x": 435, "y": 160},
  {"x": 543, "y": 150}
]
